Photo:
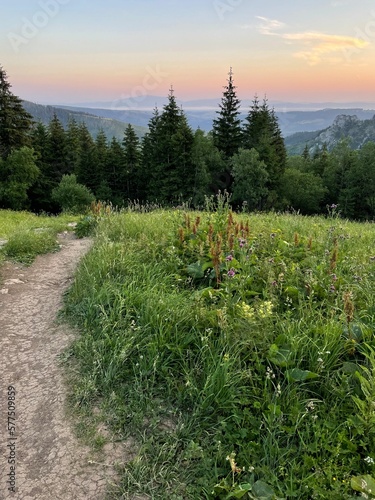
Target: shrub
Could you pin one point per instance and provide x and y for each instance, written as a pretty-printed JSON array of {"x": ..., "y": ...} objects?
[{"x": 71, "y": 196}]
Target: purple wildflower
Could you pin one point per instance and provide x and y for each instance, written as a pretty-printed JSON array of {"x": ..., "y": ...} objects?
[
  {"x": 231, "y": 272},
  {"x": 229, "y": 257}
]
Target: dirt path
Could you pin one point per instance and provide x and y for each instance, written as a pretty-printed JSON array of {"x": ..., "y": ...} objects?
[{"x": 50, "y": 463}]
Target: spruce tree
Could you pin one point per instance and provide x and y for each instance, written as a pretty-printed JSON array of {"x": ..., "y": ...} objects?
[
  {"x": 73, "y": 147},
  {"x": 87, "y": 158},
  {"x": 150, "y": 157},
  {"x": 168, "y": 155},
  {"x": 115, "y": 172},
  {"x": 57, "y": 151},
  {"x": 15, "y": 122},
  {"x": 227, "y": 132},
  {"x": 99, "y": 168},
  {"x": 40, "y": 192},
  {"x": 132, "y": 160},
  {"x": 262, "y": 132}
]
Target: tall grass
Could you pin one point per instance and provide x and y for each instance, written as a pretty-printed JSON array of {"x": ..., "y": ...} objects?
[
  {"x": 29, "y": 235},
  {"x": 238, "y": 349}
]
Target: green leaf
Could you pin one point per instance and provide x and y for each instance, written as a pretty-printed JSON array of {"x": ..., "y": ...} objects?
[
  {"x": 195, "y": 270},
  {"x": 206, "y": 265},
  {"x": 292, "y": 291},
  {"x": 262, "y": 491},
  {"x": 348, "y": 367},
  {"x": 240, "y": 491},
  {"x": 364, "y": 484},
  {"x": 280, "y": 356},
  {"x": 297, "y": 375}
]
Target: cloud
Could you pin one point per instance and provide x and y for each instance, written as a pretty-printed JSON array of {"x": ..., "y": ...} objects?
[
  {"x": 268, "y": 26},
  {"x": 318, "y": 45},
  {"x": 321, "y": 44}
]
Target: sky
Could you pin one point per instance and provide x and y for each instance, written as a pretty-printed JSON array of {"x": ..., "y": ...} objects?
[{"x": 78, "y": 51}]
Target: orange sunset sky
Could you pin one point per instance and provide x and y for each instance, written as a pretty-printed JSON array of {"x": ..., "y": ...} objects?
[{"x": 77, "y": 51}]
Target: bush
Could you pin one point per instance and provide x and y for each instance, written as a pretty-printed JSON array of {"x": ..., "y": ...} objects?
[{"x": 71, "y": 196}]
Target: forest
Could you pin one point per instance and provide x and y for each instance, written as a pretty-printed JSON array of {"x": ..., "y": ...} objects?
[{"x": 45, "y": 169}]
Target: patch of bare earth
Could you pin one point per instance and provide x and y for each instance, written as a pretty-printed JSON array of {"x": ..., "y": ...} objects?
[{"x": 50, "y": 463}]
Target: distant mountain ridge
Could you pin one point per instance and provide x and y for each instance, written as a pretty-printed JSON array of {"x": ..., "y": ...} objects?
[
  {"x": 350, "y": 127},
  {"x": 290, "y": 121},
  {"x": 111, "y": 127},
  {"x": 299, "y": 128}
]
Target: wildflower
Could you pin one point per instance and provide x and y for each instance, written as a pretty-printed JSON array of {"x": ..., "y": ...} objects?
[
  {"x": 233, "y": 464},
  {"x": 241, "y": 242},
  {"x": 332, "y": 289},
  {"x": 334, "y": 277},
  {"x": 278, "y": 390},
  {"x": 269, "y": 373},
  {"x": 231, "y": 272},
  {"x": 369, "y": 460},
  {"x": 265, "y": 309},
  {"x": 229, "y": 258},
  {"x": 348, "y": 306},
  {"x": 320, "y": 360},
  {"x": 246, "y": 311},
  {"x": 274, "y": 283}
]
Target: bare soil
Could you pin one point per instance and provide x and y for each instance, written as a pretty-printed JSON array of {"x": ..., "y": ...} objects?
[{"x": 51, "y": 464}]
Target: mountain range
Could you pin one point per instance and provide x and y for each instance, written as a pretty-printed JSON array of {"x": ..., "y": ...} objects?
[
  {"x": 350, "y": 127},
  {"x": 313, "y": 127},
  {"x": 111, "y": 127}
]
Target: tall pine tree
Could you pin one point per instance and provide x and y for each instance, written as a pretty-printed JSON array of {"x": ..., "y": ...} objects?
[
  {"x": 168, "y": 155},
  {"x": 262, "y": 132},
  {"x": 132, "y": 160},
  {"x": 227, "y": 127},
  {"x": 15, "y": 122}
]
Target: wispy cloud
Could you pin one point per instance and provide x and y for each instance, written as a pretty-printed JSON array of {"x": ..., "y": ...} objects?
[
  {"x": 317, "y": 45},
  {"x": 321, "y": 44},
  {"x": 268, "y": 26}
]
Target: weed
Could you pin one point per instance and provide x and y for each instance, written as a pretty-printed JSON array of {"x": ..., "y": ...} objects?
[{"x": 211, "y": 335}]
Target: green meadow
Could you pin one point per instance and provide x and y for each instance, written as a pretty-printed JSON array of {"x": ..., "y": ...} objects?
[
  {"x": 26, "y": 235},
  {"x": 236, "y": 349}
]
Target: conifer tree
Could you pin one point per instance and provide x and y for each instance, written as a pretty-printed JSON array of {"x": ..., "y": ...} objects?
[
  {"x": 115, "y": 172},
  {"x": 40, "y": 192},
  {"x": 227, "y": 132},
  {"x": 168, "y": 149},
  {"x": 99, "y": 168},
  {"x": 56, "y": 152},
  {"x": 15, "y": 122},
  {"x": 132, "y": 160},
  {"x": 150, "y": 157},
  {"x": 87, "y": 158},
  {"x": 262, "y": 132},
  {"x": 73, "y": 147}
]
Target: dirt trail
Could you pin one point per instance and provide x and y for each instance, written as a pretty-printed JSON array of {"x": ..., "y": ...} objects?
[{"x": 50, "y": 463}]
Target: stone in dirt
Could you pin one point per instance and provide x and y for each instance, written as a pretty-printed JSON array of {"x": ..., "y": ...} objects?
[{"x": 15, "y": 281}]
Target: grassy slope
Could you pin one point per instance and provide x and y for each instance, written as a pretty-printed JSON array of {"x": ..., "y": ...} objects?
[
  {"x": 274, "y": 364},
  {"x": 29, "y": 235}
]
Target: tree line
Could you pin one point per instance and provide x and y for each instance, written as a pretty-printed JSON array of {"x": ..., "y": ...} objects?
[{"x": 173, "y": 163}]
